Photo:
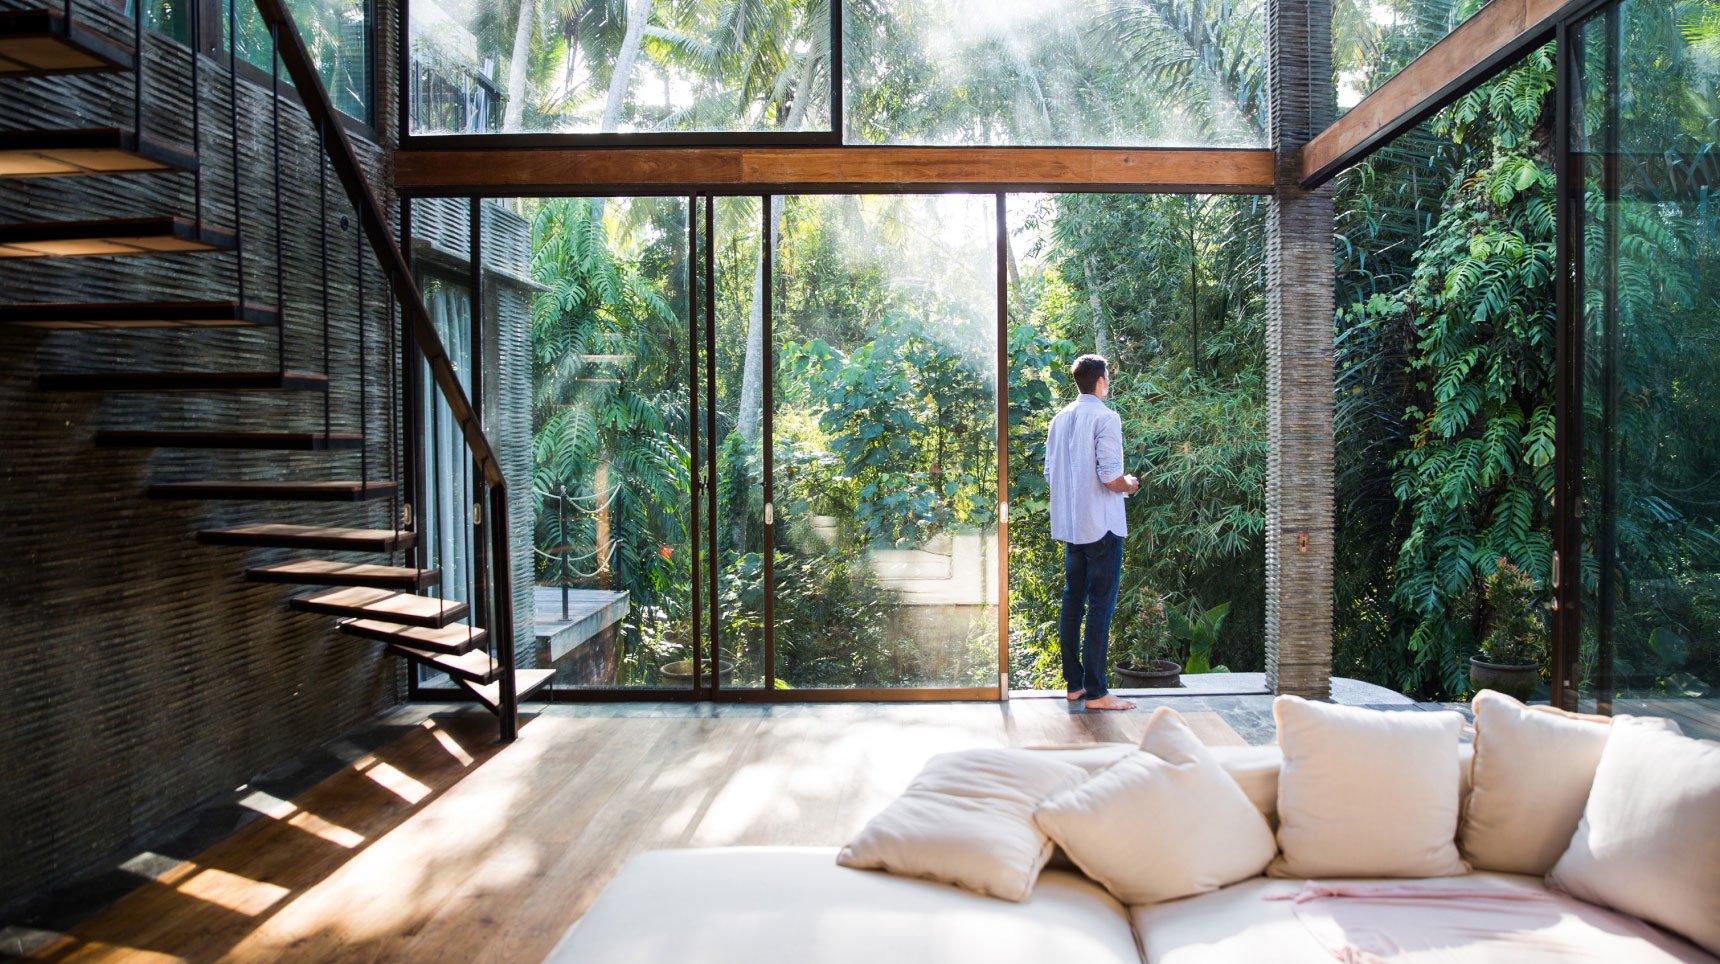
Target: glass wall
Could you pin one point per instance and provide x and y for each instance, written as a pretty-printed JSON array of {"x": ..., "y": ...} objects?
[
  {"x": 1054, "y": 72},
  {"x": 1171, "y": 290},
  {"x": 1374, "y": 39},
  {"x": 611, "y": 466},
  {"x": 637, "y": 66},
  {"x": 884, "y": 431},
  {"x": 1644, "y": 132},
  {"x": 337, "y": 34}
]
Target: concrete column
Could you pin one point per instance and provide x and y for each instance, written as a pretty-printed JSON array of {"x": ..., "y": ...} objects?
[{"x": 1299, "y": 270}]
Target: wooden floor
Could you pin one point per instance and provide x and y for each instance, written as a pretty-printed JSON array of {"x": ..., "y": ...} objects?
[{"x": 443, "y": 846}]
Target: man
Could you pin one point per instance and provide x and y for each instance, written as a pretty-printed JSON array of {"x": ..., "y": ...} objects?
[{"x": 1084, "y": 468}]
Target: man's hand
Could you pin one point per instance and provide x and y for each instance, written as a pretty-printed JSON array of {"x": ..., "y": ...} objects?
[{"x": 1127, "y": 485}]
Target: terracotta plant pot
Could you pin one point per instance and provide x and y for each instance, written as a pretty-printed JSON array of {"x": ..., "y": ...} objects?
[
  {"x": 680, "y": 672},
  {"x": 1161, "y": 674},
  {"x": 1515, "y": 681}
]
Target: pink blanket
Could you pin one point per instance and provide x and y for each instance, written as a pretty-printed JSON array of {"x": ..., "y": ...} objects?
[{"x": 1457, "y": 920}]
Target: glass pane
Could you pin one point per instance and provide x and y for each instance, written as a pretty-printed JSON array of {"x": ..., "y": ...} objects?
[
  {"x": 1075, "y": 72},
  {"x": 441, "y": 233},
  {"x": 619, "y": 67},
  {"x": 336, "y": 32},
  {"x": 884, "y": 441},
  {"x": 1374, "y": 39},
  {"x": 1650, "y": 282},
  {"x": 1170, "y": 290},
  {"x": 170, "y": 17},
  {"x": 739, "y": 439},
  {"x": 610, "y": 464}
]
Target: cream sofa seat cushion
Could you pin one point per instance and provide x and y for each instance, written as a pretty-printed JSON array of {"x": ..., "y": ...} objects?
[
  {"x": 1649, "y": 839},
  {"x": 1163, "y": 822},
  {"x": 760, "y": 905},
  {"x": 1530, "y": 779},
  {"x": 1240, "y": 925},
  {"x": 1366, "y": 793},
  {"x": 967, "y": 819}
]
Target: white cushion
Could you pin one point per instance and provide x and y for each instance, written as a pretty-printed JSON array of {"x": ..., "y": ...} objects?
[
  {"x": 967, "y": 819},
  {"x": 753, "y": 905},
  {"x": 1240, "y": 924},
  {"x": 1649, "y": 840},
  {"x": 1163, "y": 822},
  {"x": 1366, "y": 793},
  {"x": 1255, "y": 770},
  {"x": 1529, "y": 783}
]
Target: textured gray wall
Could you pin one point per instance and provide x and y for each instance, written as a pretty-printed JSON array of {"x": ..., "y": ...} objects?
[
  {"x": 1299, "y": 358},
  {"x": 143, "y": 674}
]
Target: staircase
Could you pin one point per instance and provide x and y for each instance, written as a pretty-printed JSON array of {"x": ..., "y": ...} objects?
[{"x": 372, "y": 601}]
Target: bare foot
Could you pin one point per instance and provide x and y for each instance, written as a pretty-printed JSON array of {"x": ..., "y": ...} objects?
[
  {"x": 1109, "y": 702},
  {"x": 1074, "y": 695}
]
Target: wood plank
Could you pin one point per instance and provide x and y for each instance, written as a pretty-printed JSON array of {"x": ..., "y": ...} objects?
[
  {"x": 36, "y": 43},
  {"x": 1488, "y": 42},
  {"x": 526, "y": 682},
  {"x": 475, "y": 666},
  {"x": 384, "y": 605},
  {"x": 677, "y": 170},
  {"x": 111, "y": 237},
  {"x": 286, "y": 536},
  {"x": 87, "y": 151},
  {"x": 456, "y": 637},
  {"x": 333, "y": 572}
]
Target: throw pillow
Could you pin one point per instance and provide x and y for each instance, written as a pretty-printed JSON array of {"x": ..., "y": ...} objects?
[
  {"x": 1649, "y": 840},
  {"x": 1366, "y": 793},
  {"x": 1529, "y": 783},
  {"x": 1161, "y": 823},
  {"x": 967, "y": 820}
]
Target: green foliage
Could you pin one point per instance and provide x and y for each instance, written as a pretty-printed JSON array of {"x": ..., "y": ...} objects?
[
  {"x": 1510, "y": 611},
  {"x": 1472, "y": 468},
  {"x": 1197, "y": 630}
]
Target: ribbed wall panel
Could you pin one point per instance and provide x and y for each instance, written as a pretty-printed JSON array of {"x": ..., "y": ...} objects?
[
  {"x": 1299, "y": 358},
  {"x": 144, "y": 674}
]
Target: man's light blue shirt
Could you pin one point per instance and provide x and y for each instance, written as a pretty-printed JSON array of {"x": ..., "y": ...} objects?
[{"x": 1082, "y": 453}]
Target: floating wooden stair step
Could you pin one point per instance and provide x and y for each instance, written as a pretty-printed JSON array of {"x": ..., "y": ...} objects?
[
  {"x": 35, "y": 43},
  {"x": 452, "y": 638},
  {"x": 387, "y": 605},
  {"x": 108, "y": 238},
  {"x": 183, "y": 382},
  {"x": 278, "y": 441},
  {"x": 526, "y": 682},
  {"x": 344, "y": 491},
  {"x": 279, "y": 535},
  {"x": 99, "y": 315},
  {"x": 475, "y": 666},
  {"x": 87, "y": 151},
  {"x": 330, "y": 572}
]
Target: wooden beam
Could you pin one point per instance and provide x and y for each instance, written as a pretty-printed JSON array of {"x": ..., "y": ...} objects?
[
  {"x": 647, "y": 170},
  {"x": 1488, "y": 42}
]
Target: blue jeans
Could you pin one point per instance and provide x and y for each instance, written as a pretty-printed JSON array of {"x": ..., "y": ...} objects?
[{"x": 1090, "y": 575}]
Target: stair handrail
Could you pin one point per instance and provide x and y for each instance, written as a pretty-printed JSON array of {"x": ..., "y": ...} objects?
[{"x": 373, "y": 220}]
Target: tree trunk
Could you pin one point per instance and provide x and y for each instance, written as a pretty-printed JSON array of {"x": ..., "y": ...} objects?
[
  {"x": 515, "y": 113},
  {"x": 1101, "y": 330},
  {"x": 638, "y": 13},
  {"x": 751, "y": 413}
]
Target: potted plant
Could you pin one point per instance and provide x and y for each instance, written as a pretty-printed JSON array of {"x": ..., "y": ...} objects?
[
  {"x": 1142, "y": 661},
  {"x": 1514, "y": 641}
]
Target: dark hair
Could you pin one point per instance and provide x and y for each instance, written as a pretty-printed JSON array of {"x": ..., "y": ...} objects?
[{"x": 1087, "y": 371}]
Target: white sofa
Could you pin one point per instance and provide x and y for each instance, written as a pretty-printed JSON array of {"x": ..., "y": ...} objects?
[{"x": 761, "y": 905}]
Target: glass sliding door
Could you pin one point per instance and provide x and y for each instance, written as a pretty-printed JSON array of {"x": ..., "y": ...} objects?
[
  {"x": 880, "y": 412},
  {"x": 611, "y": 345},
  {"x": 1647, "y": 260}
]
